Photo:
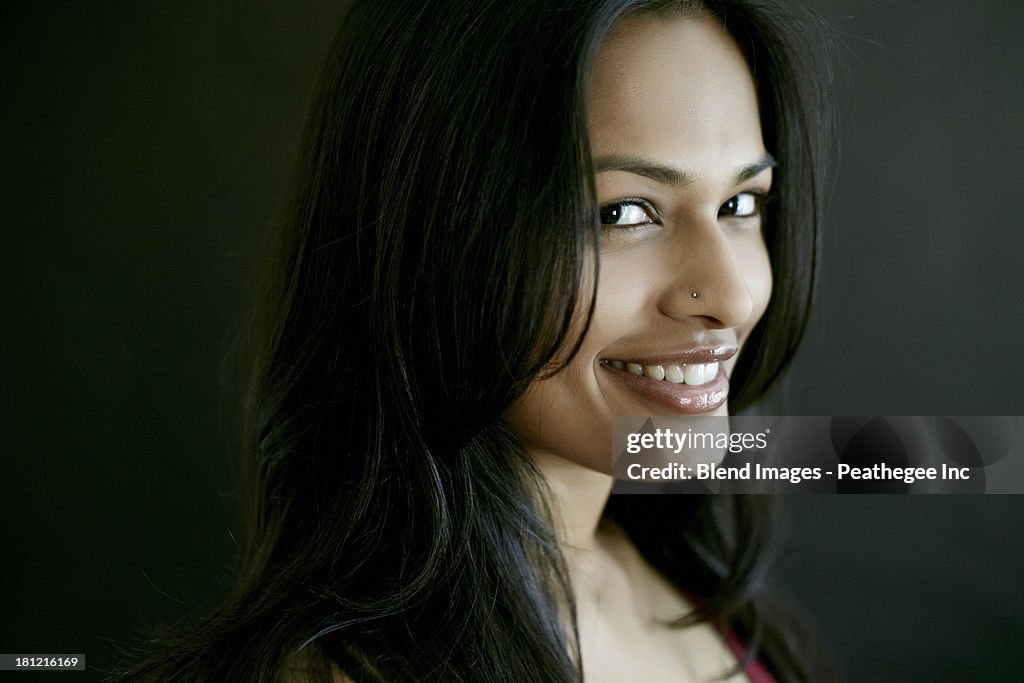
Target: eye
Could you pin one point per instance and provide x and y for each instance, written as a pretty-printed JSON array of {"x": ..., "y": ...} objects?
[
  {"x": 627, "y": 212},
  {"x": 743, "y": 205}
]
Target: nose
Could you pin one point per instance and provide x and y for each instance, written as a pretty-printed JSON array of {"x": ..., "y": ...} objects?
[{"x": 705, "y": 279}]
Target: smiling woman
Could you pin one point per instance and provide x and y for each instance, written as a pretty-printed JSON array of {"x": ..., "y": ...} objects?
[
  {"x": 681, "y": 172},
  {"x": 509, "y": 223}
]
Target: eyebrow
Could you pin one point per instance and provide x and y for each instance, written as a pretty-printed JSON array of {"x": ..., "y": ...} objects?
[{"x": 670, "y": 175}]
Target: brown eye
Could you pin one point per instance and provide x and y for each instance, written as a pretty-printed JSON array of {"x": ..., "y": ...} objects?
[
  {"x": 625, "y": 213},
  {"x": 743, "y": 205}
]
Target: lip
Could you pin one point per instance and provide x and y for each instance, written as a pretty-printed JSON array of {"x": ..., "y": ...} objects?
[
  {"x": 710, "y": 355},
  {"x": 678, "y": 398}
]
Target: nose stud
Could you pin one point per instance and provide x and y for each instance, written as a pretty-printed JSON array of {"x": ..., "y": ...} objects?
[{"x": 693, "y": 294}]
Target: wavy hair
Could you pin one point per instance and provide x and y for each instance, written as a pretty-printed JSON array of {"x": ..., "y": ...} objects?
[{"x": 424, "y": 270}]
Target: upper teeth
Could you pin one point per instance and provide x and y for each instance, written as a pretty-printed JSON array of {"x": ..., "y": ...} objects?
[{"x": 693, "y": 373}]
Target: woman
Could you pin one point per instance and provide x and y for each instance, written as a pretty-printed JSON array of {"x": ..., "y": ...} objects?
[{"x": 500, "y": 212}]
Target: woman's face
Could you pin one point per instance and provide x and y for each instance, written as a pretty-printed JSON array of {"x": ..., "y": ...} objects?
[{"x": 681, "y": 173}]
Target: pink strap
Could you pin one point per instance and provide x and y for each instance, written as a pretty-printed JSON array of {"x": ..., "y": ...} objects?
[{"x": 755, "y": 670}]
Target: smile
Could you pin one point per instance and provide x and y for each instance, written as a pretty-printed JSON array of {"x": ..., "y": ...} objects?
[
  {"x": 693, "y": 374},
  {"x": 678, "y": 387}
]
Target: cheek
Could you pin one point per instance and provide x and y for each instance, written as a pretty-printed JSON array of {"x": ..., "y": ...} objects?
[
  {"x": 626, "y": 295},
  {"x": 564, "y": 416},
  {"x": 757, "y": 270},
  {"x": 568, "y": 415}
]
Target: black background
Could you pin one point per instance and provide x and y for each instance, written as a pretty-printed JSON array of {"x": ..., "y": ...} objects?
[{"x": 144, "y": 148}]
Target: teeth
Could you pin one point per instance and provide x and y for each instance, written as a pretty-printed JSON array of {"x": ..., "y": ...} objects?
[
  {"x": 692, "y": 374},
  {"x": 654, "y": 372},
  {"x": 674, "y": 374}
]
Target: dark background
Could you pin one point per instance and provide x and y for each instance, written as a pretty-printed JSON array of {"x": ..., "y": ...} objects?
[{"x": 143, "y": 152}]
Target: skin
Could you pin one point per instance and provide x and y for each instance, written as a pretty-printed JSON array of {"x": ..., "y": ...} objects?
[{"x": 674, "y": 92}]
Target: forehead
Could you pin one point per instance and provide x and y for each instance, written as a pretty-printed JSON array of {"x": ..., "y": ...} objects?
[{"x": 673, "y": 88}]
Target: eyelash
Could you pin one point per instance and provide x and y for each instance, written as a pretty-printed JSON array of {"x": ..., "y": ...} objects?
[
  {"x": 648, "y": 208},
  {"x": 761, "y": 199}
]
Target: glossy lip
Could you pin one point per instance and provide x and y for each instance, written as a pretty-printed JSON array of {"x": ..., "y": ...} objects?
[
  {"x": 712, "y": 355},
  {"x": 679, "y": 398}
]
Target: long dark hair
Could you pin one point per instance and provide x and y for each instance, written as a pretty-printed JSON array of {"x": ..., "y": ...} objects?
[{"x": 425, "y": 268}]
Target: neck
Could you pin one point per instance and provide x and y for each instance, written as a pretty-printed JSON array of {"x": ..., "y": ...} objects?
[
  {"x": 599, "y": 557},
  {"x": 579, "y": 497}
]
